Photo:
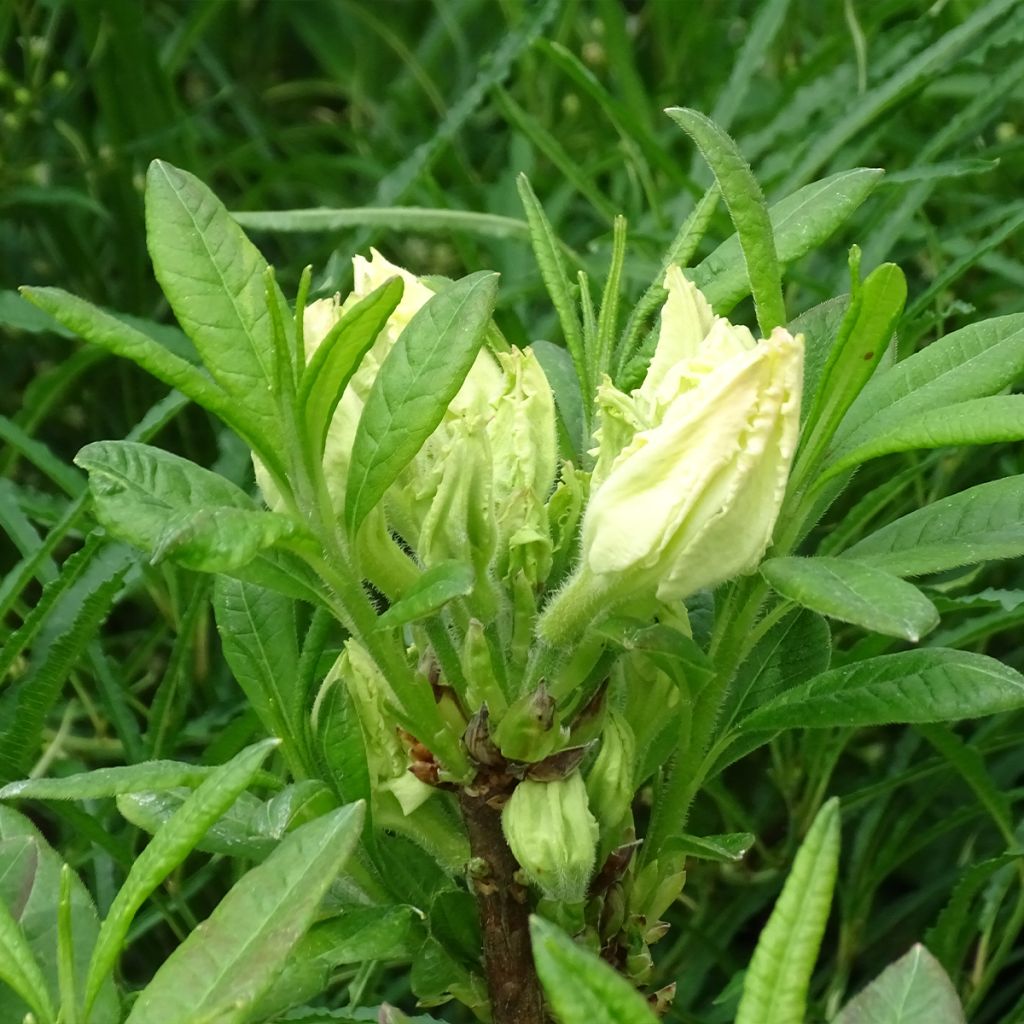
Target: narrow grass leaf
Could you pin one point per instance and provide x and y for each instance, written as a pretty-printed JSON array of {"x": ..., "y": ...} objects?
[
  {"x": 108, "y": 782},
  {"x": 59, "y": 628},
  {"x": 913, "y": 990},
  {"x": 980, "y": 524},
  {"x": 166, "y": 851},
  {"x": 420, "y": 376},
  {"x": 746, "y": 203},
  {"x": 413, "y": 219},
  {"x": 933, "y": 684},
  {"x": 776, "y": 983},
  {"x": 860, "y": 594},
  {"x": 222, "y": 968},
  {"x": 581, "y": 988}
]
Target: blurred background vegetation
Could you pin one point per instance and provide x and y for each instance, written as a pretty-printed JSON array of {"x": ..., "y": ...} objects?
[{"x": 374, "y": 111}]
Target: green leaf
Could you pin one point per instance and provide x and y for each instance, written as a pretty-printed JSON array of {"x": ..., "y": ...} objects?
[
  {"x": 338, "y": 357},
  {"x": 552, "y": 269},
  {"x": 820, "y": 326},
  {"x": 171, "y": 507},
  {"x": 861, "y": 594},
  {"x": 913, "y": 990},
  {"x": 213, "y": 277},
  {"x": 978, "y": 421},
  {"x": 748, "y": 210},
  {"x": 259, "y": 634},
  {"x": 928, "y": 685},
  {"x": 974, "y": 362},
  {"x": 800, "y": 222},
  {"x": 108, "y": 782},
  {"x": 581, "y": 988},
  {"x": 791, "y": 652},
  {"x": 725, "y": 849},
  {"x": 20, "y": 970},
  {"x": 109, "y": 332},
  {"x": 864, "y": 335},
  {"x": 420, "y": 376},
  {"x": 338, "y": 743},
  {"x": 558, "y": 368},
  {"x": 30, "y": 887},
  {"x": 775, "y": 986},
  {"x": 982, "y": 523},
  {"x": 222, "y": 969},
  {"x": 430, "y": 593},
  {"x": 167, "y": 850},
  {"x": 220, "y": 539}
]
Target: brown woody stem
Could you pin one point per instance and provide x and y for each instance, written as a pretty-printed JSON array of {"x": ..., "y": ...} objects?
[{"x": 503, "y": 904}]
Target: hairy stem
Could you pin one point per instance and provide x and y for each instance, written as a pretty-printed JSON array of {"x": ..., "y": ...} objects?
[{"x": 503, "y": 905}]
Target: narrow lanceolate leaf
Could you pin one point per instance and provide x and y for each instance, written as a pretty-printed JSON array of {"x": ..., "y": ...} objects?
[
  {"x": 225, "y": 965},
  {"x": 800, "y": 223},
  {"x": 582, "y": 988},
  {"x": 556, "y": 278},
  {"x": 861, "y": 594},
  {"x": 19, "y": 969},
  {"x": 115, "y": 335},
  {"x": 108, "y": 782},
  {"x": 432, "y": 591},
  {"x": 982, "y": 523},
  {"x": 913, "y": 990},
  {"x": 171, "y": 507},
  {"x": 978, "y": 421},
  {"x": 258, "y": 632},
  {"x": 743, "y": 196},
  {"x": 775, "y": 986},
  {"x": 864, "y": 334},
  {"x": 338, "y": 356},
  {"x": 213, "y": 277},
  {"x": 928, "y": 685},
  {"x": 420, "y": 376},
  {"x": 974, "y": 362},
  {"x": 168, "y": 848}
]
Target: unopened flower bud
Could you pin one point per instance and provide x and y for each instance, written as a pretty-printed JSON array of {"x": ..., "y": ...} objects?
[
  {"x": 610, "y": 779},
  {"x": 691, "y": 467},
  {"x": 553, "y": 836},
  {"x": 529, "y": 730}
]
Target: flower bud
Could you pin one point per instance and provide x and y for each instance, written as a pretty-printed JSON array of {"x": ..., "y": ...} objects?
[
  {"x": 529, "y": 730},
  {"x": 610, "y": 779},
  {"x": 691, "y": 467},
  {"x": 553, "y": 836}
]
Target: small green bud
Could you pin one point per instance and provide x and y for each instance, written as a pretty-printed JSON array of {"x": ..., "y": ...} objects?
[
  {"x": 657, "y": 887},
  {"x": 610, "y": 779},
  {"x": 483, "y": 686},
  {"x": 529, "y": 730},
  {"x": 553, "y": 835}
]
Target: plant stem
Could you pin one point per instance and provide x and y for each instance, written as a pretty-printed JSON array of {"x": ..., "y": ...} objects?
[{"x": 503, "y": 905}]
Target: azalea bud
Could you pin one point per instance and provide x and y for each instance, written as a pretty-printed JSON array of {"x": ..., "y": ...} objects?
[
  {"x": 529, "y": 730},
  {"x": 522, "y": 433},
  {"x": 553, "y": 836},
  {"x": 610, "y": 779},
  {"x": 692, "y": 467}
]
